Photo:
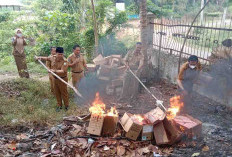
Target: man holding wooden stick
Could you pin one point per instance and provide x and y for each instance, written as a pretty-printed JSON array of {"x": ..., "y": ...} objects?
[{"x": 60, "y": 68}]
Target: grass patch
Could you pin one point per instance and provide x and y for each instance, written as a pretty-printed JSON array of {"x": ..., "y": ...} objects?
[
  {"x": 28, "y": 101},
  {"x": 8, "y": 66}
]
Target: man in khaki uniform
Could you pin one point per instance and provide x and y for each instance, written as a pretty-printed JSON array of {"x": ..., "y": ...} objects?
[
  {"x": 60, "y": 67},
  {"x": 133, "y": 60},
  {"x": 78, "y": 64},
  {"x": 49, "y": 65},
  {"x": 18, "y": 42}
]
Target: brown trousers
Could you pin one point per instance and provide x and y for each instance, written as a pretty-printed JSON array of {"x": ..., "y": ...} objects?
[
  {"x": 21, "y": 64},
  {"x": 61, "y": 92},
  {"x": 130, "y": 86},
  {"x": 76, "y": 78},
  {"x": 51, "y": 80}
]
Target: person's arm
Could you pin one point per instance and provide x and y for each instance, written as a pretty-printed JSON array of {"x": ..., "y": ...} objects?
[
  {"x": 141, "y": 62},
  {"x": 14, "y": 40},
  {"x": 125, "y": 60},
  {"x": 181, "y": 77},
  {"x": 71, "y": 63},
  {"x": 42, "y": 58},
  {"x": 48, "y": 64},
  {"x": 63, "y": 70},
  {"x": 24, "y": 41},
  {"x": 85, "y": 64}
]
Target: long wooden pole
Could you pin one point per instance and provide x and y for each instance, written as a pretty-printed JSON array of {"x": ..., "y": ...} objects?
[
  {"x": 158, "y": 102},
  {"x": 74, "y": 89}
]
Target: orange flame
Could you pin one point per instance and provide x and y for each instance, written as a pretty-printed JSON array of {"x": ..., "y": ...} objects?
[
  {"x": 98, "y": 107},
  {"x": 112, "y": 112},
  {"x": 175, "y": 105},
  {"x": 137, "y": 118}
]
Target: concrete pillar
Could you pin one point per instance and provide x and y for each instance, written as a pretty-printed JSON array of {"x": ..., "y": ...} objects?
[{"x": 150, "y": 19}]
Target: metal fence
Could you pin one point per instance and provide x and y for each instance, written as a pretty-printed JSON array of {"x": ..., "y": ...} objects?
[{"x": 204, "y": 38}]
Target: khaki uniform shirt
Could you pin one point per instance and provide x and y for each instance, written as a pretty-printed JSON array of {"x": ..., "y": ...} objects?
[
  {"x": 133, "y": 60},
  {"x": 59, "y": 65},
  {"x": 80, "y": 66},
  {"x": 185, "y": 66},
  {"x": 51, "y": 61}
]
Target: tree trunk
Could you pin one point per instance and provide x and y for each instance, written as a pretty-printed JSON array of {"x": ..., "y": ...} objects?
[
  {"x": 143, "y": 27},
  {"x": 144, "y": 35},
  {"x": 95, "y": 29}
]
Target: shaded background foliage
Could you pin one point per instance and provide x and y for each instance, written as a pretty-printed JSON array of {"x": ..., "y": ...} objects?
[{"x": 67, "y": 22}]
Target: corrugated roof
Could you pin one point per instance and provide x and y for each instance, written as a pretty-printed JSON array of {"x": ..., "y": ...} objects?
[{"x": 10, "y": 3}]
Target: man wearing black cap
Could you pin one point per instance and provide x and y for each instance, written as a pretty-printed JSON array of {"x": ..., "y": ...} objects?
[
  {"x": 188, "y": 74},
  {"x": 60, "y": 67}
]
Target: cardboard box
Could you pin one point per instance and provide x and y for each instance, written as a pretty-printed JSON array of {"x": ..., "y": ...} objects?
[
  {"x": 189, "y": 125},
  {"x": 109, "y": 125},
  {"x": 160, "y": 134},
  {"x": 147, "y": 133},
  {"x": 115, "y": 62},
  {"x": 121, "y": 71},
  {"x": 91, "y": 67},
  {"x": 155, "y": 116},
  {"x": 117, "y": 82},
  {"x": 104, "y": 73},
  {"x": 109, "y": 90},
  {"x": 99, "y": 60},
  {"x": 174, "y": 135},
  {"x": 95, "y": 124},
  {"x": 132, "y": 128},
  {"x": 118, "y": 91}
]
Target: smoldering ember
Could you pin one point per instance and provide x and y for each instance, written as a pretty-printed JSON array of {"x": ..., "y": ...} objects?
[{"x": 138, "y": 128}]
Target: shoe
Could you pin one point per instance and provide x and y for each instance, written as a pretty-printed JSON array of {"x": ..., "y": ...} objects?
[{"x": 66, "y": 108}]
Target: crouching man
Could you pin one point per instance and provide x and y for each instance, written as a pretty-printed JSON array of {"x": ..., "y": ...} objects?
[{"x": 188, "y": 75}]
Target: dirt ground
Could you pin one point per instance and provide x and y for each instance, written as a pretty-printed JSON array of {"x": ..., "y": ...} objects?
[
  {"x": 216, "y": 119},
  {"x": 216, "y": 138}
]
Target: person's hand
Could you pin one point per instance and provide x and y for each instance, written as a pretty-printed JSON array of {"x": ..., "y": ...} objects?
[
  {"x": 52, "y": 70},
  {"x": 37, "y": 58},
  {"x": 76, "y": 61}
]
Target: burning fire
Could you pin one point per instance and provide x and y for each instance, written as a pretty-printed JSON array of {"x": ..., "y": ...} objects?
[
  {"x": 98, "y": 107},
  {"x": 175, "y": 105},
  {"x": 112, "y": 112},
  {"x": 137, "y": 118}
]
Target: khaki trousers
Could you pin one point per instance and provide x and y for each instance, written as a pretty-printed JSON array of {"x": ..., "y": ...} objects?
[
  {"x": 76, "y": 78},
  {"x": 61, "y": 92}
]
